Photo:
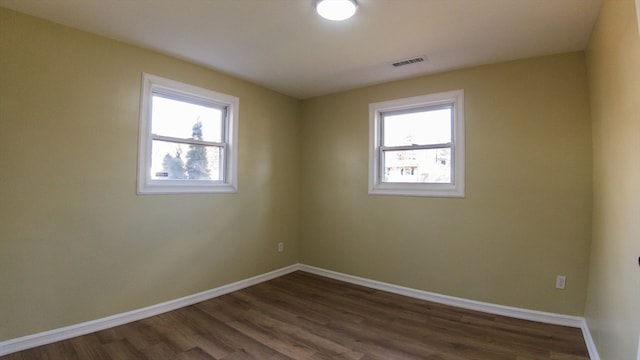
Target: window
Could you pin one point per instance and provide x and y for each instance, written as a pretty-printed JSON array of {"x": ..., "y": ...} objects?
[
  {"x": 416, "y": 146},
  {"x": 188, "y": 139}
]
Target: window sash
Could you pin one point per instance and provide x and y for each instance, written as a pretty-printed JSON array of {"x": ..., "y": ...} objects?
[
  {"x": 383, "y": 165},
  {"x": 170, "y": 94},
  {"x": 417, "y": 109},
  {"x": 187, "y": 141},
  {"x": 414, "y": 110},
  {"x": 417, "y": 147},
  {"x": 219, "y": 165},
  {"x": 186, "y": 98}
]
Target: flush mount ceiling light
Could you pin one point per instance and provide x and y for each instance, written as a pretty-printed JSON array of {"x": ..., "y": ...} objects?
[{"x": 336, "y": 10}]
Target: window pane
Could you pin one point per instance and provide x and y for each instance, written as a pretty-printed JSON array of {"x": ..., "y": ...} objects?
[
  {"x": 417, "y": 166},
  {"x": 186, "y": 120},
  {"x": 421, "y": 128},
  {"x": 174, "y": 161}
]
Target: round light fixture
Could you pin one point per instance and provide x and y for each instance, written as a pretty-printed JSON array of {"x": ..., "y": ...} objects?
[{"x": 336, "y": 10}]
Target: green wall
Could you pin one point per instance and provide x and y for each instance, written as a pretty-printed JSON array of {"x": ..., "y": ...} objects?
[
  {"x": 613, "y": 297},
  {"x": 76, "y": 242},
  {"x": 527, "y": 210}
]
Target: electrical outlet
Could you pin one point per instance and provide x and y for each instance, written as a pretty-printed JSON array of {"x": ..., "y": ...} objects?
[
  {"x": 280, "y": 247},
  {"x": 561, "y": 281}
]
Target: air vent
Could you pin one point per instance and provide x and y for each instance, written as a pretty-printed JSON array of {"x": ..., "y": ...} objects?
[{"x": 404, "y": 62}]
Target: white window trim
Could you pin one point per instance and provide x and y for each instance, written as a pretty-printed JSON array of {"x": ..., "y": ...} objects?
[
  {"x": 147, "y": 185},
  {"x": 454, "y": 189}
]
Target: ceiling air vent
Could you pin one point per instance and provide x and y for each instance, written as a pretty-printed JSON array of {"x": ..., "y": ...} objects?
[{"x": 404, "y": 62}]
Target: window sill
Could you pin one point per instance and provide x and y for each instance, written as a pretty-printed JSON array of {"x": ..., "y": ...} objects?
[
  {"x": 425, "y": 190},
  {"x": 180, "y": 187}
]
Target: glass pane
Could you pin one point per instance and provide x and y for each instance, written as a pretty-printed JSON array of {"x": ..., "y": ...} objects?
[
  {"x": 418, "y": 166},
  {"x": 173, "y": 161},
  {"x": 186, "y": 120},
  {"x": 421, "y": 128}
]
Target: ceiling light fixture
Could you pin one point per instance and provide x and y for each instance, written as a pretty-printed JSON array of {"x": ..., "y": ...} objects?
[{"x": 336, "y": 10}]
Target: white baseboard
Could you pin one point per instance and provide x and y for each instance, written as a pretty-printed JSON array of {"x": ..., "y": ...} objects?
[
  {"x": 514, "y": 312},
  {"x": 518, "y": 313},
  {"x": 591, "y": 346},
  {"x": 48, "y": 337}
]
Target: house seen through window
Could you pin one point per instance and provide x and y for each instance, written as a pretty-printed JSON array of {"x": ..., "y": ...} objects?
[{"x": 417, "y": 146}]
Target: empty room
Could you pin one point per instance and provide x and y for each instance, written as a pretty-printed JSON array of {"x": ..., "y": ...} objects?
[{"x": 289, "y": 179}]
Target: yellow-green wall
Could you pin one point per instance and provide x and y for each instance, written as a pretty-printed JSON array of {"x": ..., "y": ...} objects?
[
  {"x": 527, "y": 210},
  {"x": 613, "y": 297},
  {"x": 76, "y": 242}
]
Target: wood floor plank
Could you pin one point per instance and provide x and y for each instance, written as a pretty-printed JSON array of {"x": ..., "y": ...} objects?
[
  {"x": 298, "y": 334},
  {"x": 312, "y": 332},
  {"x": 173, "y": 336},
  {"x": 122, "y": 349},
  {"x": 194, "y": 354},
  {"x": 305, "y": 316},
  {"x": 226, "y": 334},
  {"x": 160, "y": 351},
  {"x": 89, "y": 347}
]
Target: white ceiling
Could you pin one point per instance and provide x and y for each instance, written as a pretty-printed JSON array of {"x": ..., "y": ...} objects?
[{"x": 284, "y": 45}]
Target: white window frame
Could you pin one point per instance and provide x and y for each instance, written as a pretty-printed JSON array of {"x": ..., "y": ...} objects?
[
  {"x": 454, "y": 189},
  {"x": 148, "y": 185}
]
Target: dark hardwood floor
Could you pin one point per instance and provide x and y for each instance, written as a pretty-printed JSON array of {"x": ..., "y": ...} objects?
[{"x": 304, "y": 316}]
